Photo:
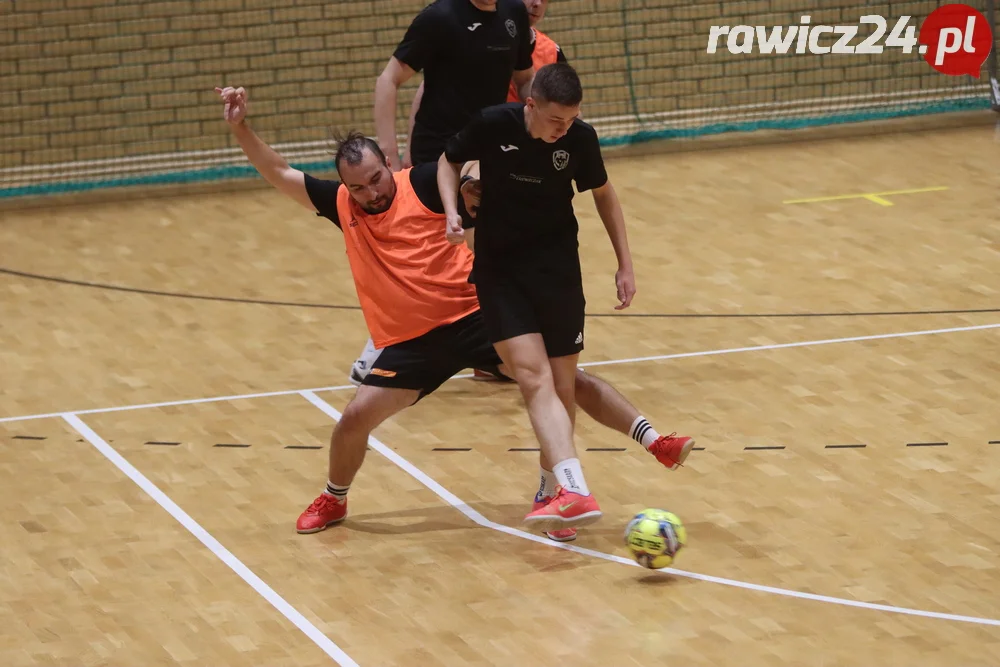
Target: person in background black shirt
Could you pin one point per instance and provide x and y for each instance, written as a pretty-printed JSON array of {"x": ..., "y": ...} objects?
[
  {"x": 544, "y": 51},
  {"x": 469, "y": 51},
  {"x": 527, "y": 262}
]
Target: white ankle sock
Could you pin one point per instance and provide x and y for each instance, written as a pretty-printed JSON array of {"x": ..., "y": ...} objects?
[
  {"x": 642, "y": 432},
  {"x": 547, "y": 485},
  {"x": 570, "y": 476}
]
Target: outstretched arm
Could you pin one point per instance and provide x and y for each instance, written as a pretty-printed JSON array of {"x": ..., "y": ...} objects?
[{"x": 271, "y": 166}]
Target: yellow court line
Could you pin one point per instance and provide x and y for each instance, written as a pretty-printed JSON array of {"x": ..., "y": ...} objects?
[
  {"x": 876, "y": 197},
  {"x": 878, "y": 200}
]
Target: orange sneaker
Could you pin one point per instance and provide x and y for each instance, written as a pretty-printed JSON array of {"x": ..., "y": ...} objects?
[
  {"x": 565, "y": 510},
  {"x": 325, "y": 511},
  {"x": 671, "y": 450},
  {"x": 564, "y": 535}
]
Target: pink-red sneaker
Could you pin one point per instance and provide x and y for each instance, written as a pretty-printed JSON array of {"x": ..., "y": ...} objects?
[
  {"x": 564, "y": 535},
  {"x": 325, "y": 511},
  {"x": 565, "y": 510},
  {"x": 671, "y": 450}
]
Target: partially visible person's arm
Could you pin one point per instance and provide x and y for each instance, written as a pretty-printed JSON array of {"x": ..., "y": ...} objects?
[
  {"x": 387, "y": 86},
  {"x": 466, "y": 146},
  {"x": 414, "y": 107},
  {"x": 524, "y": 71},
  {"x": 419, "y": 47}
]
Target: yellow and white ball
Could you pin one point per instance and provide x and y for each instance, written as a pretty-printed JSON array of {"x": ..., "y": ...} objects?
[{"x": 654, "y": 537}]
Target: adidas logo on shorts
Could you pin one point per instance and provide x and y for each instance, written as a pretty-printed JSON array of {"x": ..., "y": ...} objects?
[{"x": 579, "y": 338}]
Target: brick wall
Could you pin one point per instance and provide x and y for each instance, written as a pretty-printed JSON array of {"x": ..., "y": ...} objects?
[{"x": 93, "y": 79}]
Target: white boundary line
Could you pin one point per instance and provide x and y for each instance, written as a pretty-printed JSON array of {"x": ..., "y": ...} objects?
[
  {"x": 237, "y": 566},
  {"x": 610, "y": 362},
  {"x": 478, "y": 518}
]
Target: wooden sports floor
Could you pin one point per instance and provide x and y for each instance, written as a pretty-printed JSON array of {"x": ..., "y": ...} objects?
[{"x": 838, "y": 359}]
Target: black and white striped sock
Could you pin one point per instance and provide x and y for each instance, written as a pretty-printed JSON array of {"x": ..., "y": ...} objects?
[
  {"x": 338, "y": 492},
  {"x": 642, "y": 432}
]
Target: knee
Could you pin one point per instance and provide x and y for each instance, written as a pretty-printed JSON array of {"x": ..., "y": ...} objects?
[
  {"x": 533, "y": 377},
  {"x": 354, "y": 421}
]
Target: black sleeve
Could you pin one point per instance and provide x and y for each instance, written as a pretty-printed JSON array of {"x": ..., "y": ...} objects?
[
  {"x": 422, "y": 39},
  {"x": 525, "y": 42},
  {"x": 423, "y": 178},
  {"x": 469, "y": 144},
  {"x": 323, "y": 195},
  {"x": 560, "y": 56},
  {"x": 590, "y": 173}
]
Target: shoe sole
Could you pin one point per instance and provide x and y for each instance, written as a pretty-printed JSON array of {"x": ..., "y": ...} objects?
[
  {"x": 318, "y": 529},
  {"x": 569, "y": 538},
  {"x": 548, "y": 524},
  {"x": 685, "y": 450}
]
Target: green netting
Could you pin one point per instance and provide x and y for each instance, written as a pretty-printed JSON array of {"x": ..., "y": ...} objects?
[{"x": 645, "y": 64}]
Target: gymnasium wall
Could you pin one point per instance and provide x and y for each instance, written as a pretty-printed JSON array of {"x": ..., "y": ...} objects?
[{"x": 86, "y": 80}]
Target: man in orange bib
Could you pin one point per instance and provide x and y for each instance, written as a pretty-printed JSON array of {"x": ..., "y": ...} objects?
[{"x": 422, "y": 312}]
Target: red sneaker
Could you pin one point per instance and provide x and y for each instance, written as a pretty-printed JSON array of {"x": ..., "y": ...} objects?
[
  {"x": 487, "y": 376},
  {"x": 671, "y": 450},
  {"x": 325, "y": 511},
  {"x": 564, "y": 535},
  {"x": 565, "y": 510}
]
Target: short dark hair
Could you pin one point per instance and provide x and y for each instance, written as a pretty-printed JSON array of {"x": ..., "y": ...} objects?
[
  {"x": 351, "y": 147},
  {"x": 557, "y": 83}
]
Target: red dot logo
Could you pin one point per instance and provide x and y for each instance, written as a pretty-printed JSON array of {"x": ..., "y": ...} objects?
[{"x": 956, "y": 40}]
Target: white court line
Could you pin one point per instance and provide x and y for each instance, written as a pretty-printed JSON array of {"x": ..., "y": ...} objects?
[
  {"x": 478, "y": 518},
  {"x": 611, "y": 362},
  {"x": 289, "y": 612}
]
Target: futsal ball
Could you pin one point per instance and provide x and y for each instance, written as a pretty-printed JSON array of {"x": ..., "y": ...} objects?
[{"x": 654, "y": 538}]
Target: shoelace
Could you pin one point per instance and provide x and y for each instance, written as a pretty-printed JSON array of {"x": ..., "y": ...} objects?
[
  {"x": 321, "y": 503},
  {"x": 665, "y": 439}
]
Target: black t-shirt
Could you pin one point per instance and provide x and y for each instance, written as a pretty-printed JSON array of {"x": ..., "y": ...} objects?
[
  {"x": 423, "y": 178},
  {"x": 468, "y": 57},
  {"x": 527, "y": 202}
]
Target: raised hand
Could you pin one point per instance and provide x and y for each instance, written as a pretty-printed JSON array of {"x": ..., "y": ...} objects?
[{"x": 235, "y": 100}]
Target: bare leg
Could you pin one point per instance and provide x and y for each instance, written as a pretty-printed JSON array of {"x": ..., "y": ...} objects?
[
  {"x": 370, "y": 407},
  {"x": 526, "y": 358},
  {"x": 604, "y": 404},
  {"x": 563, "y": 375},
  {"x": 609, "y": 408}
]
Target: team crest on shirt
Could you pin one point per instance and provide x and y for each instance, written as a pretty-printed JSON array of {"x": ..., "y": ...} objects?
[
  {"x": 560, "y": 159},
  {"x": 511, "y": 28}
]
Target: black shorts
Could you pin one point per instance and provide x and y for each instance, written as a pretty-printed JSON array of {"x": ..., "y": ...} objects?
[
  {"x": 541, "y": 300},
  {"x": 426, "y": 362}
]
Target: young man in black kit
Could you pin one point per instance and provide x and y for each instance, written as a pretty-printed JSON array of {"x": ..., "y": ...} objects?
[
  {"x": 527, "y": 263},
  {"x": 469, "y": 51}
]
